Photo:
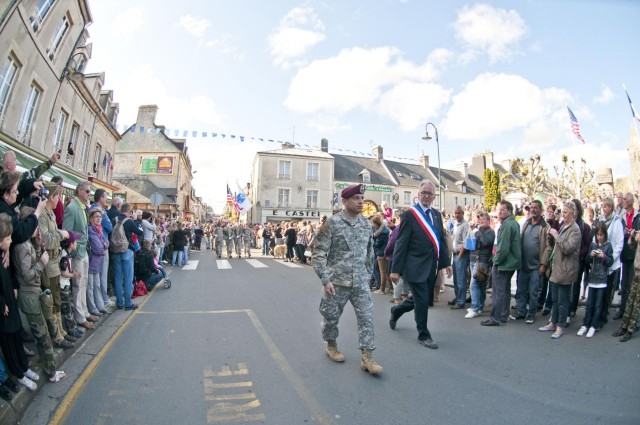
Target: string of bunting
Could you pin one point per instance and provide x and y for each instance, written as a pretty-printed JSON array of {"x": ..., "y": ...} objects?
[{"x": 204, "y": 134}]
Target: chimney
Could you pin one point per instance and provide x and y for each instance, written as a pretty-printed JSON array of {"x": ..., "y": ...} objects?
[
  {"x": 424, "y": 160},
  {"x": 488, "y": 159},
  {"x": 147, "y": 116},
  {"x": 464, "y": 169},
  {"x": 324, "y": 145},
  {"x": 377, "y": 152},
  {"x": 477, "y": 165},
  {"x": 287, "y": 145}
]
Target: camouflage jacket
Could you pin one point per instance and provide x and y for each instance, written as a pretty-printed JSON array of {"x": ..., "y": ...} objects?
[{"x": 343, "y": 252}]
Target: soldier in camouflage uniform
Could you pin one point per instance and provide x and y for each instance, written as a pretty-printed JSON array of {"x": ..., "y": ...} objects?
[
  {"x": 229, "y": 236},
  {"x": 29, "y": 269},
  {"x": 218, "y": 234},
  {"x": 343, "y": 259},
  {"x": 247, "y": 234},
  {"x": 237, "y": 239}
]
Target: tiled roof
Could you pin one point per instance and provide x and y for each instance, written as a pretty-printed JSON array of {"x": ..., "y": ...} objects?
[
  {"x": 348, "y": 169},
  {"x": 146, "y": 188}
]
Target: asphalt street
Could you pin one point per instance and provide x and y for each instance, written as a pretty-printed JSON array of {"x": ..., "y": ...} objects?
[{"x": 239, "y": 341}]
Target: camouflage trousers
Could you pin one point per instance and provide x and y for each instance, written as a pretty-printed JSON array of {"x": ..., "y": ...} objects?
[
  {"x": 331, "y": 307},
  {"x": 30, "y": 303},
  {"x": 65, "y": 308},
  {"x": 246, "y": 243},
  {"x": 229, "y": 247},
  {"x": 219, "y": 246},
  {"x": 238, "y": 246},
  {"x": 630, "y": 317}
]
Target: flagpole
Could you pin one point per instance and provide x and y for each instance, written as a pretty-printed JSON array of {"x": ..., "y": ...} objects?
[{"x": 635, "y": 117}]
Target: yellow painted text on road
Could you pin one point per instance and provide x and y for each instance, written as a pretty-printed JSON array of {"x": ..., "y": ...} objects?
[{"x": 229, "y": 389}]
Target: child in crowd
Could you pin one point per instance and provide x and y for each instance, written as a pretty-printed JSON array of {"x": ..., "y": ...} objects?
[
  {"x": 600, "y": 258},
  {"x": 66, "y": 273}
]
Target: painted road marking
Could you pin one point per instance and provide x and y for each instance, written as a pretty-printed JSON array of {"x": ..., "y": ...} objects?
[
  {"x": 221, "y": 387},
  {"x": 191, "y": 265},
  {"x": 289, "y": 264},
  {"x": 257, "y": 264},
  {"x": 223, "y": 264}
]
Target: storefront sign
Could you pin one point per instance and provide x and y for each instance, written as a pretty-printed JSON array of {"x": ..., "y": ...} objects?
[
  {"x": 156, "y": 165},
  {"x": 370, "y": 187},
  {"x": 296, "y": 213}
]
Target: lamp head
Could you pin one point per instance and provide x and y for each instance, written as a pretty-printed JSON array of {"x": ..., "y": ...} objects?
[{"x": 426, "y": 135}]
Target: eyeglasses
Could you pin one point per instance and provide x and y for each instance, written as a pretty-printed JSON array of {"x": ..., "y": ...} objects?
[
  {"x": 427, "y": 193},
  {"x": 88, "y": 191}
]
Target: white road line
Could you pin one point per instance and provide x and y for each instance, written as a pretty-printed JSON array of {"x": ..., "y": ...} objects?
[
  {"x": 288, "y": 264},
  {"x": 257, "y": 264},
  {"x": 223, "y": 264},
  {"x": 191, "y": 265}
]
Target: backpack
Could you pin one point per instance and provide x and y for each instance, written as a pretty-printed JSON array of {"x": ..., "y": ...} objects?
[{"x": 118, "y": 242}]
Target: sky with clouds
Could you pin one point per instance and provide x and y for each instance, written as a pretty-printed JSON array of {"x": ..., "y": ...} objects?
[{"x": 494, "y": 75}]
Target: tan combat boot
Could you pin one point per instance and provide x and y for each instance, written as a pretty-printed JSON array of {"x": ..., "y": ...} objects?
[
  {"x": 333, "y": 352},
  {"x": 369, "y": 364}
]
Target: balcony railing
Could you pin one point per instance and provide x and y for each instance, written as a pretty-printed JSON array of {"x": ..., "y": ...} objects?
[{"x": 284, "y": 176}]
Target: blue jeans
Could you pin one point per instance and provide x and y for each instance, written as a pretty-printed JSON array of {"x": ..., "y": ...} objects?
[
  {"x": 185, "y": 253},
  {"x": 594, "y": 308},
  {"x": 478, "y": 295},
  {"x": 154, "y": 279},
  {"x": 527, "y": 292},
  {"x": 560, "y": 295},
  {"x": 3, "y": 372},
  {"x": 123, "y": 272},
  {"x": 103, "y": 278},
  {"x": 178, "y": 253},
  {"x": 460, "y": 277},
  {"x": 265, "y": 246}
]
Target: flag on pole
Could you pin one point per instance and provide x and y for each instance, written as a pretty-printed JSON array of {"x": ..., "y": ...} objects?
[
  {"x": 230, "y": 197},
  {"x": 575, "y": 127},
  {"x": 244, "y": 204},
  {"x": 634, "y": 114}
]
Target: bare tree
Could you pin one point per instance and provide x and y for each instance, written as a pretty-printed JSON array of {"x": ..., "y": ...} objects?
[
  {"x": 571, "y": 180},
  {"x": 528, "y": 177}
]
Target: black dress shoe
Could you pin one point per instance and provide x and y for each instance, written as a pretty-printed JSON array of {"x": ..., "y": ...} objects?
[
  {"x": 626, "y": 337},
  {"x": 428, "y": 343},
  {"x": 619, "y": 332},
  {"x": 13, "y": 387},
  {"x": 457, "y": 307},
  {"x": 490, "y": 322},
  {"x": 452, "y": 302},
  {"x": 131, "y": 307}
]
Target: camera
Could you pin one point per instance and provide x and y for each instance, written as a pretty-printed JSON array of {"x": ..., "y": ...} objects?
[{"x": 43, "y": 193}]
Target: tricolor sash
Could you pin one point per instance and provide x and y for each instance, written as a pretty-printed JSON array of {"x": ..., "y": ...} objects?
[{"x": 427, "y": 226}]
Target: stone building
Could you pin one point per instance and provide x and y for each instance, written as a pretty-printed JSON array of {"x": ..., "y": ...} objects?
[
  {"x": 630, "y": 183},
  {"x": 148, "y": 161},
  {"x": 291, "y": 184},
  {"x": 47, "y": 103}
]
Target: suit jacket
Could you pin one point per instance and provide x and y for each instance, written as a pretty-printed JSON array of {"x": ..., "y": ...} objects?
[{"x": 414, "y": 256}]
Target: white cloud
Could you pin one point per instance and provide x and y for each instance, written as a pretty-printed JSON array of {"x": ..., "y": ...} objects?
[
  {"x": 605, "y": 96},
  {"x": 298, "y": 31},
  {"x": 495, "y": 103},
  {"x": 128, "y": 22},
  {"x": 325, "y": 123},
  {"x": 195, "y": 25},
  {"x": 485, "y": 29},
  {"x": 223, "y": 44},
  {"x": 375, "y": 79}
]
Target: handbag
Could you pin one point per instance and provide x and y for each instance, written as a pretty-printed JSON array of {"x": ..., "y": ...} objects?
[
  {"x": 470, "y": 242},
  {"x": 307, "y": 253}
]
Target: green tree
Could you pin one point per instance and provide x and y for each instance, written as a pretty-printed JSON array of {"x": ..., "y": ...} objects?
[{"x": 491, "y": 182}]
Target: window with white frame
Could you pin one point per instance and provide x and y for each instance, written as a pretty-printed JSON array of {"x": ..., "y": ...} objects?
[
  {"x": 83, "y": 151},
  {"x": 283, "y": 197},
  {"x": 386, "y": 198},
  {"x": 284, "y": 170},
  {"x": 312, "y": 198},
  {"x": 366, "y": 177},
  {"x": 96, "y": 159},
  {"x": 312, "y": 171},
  {"x": 42, "y": 9},
  {"x": 60, "y": 127},
  {"x": 58, "y": 36},
  {"x": 7, "y": 77},
  {"x": 406, "y": 197},
  {"x": 25, "y": 125}
]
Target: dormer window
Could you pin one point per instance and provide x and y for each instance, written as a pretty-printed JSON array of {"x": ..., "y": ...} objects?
[
  {"x": 398, "y": 173},
  {"x": 366, "y": 176}
]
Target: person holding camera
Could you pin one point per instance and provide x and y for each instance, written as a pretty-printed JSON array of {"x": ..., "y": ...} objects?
[{"x": 480, "y": 264}]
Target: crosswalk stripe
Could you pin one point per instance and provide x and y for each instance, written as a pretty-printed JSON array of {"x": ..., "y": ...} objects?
[
  {"x": 223, "y": 264},
  {"x": 257, "y": 264},
  {"x": 191, "y": 265},
  {"x": 289, "y": 264}
]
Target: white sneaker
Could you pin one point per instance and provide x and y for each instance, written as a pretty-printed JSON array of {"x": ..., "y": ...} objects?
[
  {"x": 28, "y": 383},
  {"x": 592, "y": 332},
  {"x": 471, "y": 314},
  {"x": 31, "y": 375},
  {"x": 582, "y": 331}
]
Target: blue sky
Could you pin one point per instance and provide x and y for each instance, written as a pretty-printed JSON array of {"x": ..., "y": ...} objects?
[{"x": 490, "y": 75}]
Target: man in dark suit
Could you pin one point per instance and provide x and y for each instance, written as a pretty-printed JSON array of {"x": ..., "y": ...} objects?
[{"x": 419, "y": 253}]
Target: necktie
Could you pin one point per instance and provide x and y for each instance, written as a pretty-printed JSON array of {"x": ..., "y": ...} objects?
[{"x": 428, "y": 214}]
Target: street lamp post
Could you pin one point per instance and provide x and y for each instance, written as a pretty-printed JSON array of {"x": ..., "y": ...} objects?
[{"x": 427, "y": 137}]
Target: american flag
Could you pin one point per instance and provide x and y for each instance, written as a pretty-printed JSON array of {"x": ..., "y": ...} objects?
[
  {"x": 575, "y": 127},
  {"x": 230, "y": 197}
]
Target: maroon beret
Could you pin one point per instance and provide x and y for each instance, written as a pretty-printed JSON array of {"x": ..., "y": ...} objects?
[{"x": 348, "y": 192}]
